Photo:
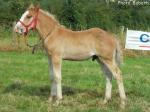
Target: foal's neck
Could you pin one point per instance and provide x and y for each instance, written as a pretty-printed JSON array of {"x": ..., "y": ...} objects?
[{"x": 46, "y": 24}]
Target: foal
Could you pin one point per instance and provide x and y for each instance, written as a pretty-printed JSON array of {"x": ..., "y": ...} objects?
[{"x": 62, "y": 43}]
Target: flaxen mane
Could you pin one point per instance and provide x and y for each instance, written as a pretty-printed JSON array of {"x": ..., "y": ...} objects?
[{"x": 50, "y": 15}]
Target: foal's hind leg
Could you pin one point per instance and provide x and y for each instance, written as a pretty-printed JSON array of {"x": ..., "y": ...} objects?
[
  {"x": 117, "y": 75},
  {"x": 108, "y": 76}
]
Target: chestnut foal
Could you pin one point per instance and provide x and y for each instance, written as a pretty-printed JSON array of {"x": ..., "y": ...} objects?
[{"x": 62, "y": 43}]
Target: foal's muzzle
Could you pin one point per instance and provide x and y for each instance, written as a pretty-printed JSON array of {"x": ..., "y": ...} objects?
[{"x": 19, "y": 29}]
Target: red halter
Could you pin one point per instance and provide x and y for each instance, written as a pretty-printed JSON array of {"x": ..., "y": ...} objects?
[{"x": 32, "y": 24}]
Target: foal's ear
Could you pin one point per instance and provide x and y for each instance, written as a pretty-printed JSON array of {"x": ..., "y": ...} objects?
[
  {"x": 34, "y": 8},
  {"x": 31, "y": 7},
  {"x": 37, "y": 6}
]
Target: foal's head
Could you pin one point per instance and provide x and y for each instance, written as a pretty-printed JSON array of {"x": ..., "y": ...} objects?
[{"x": 28, "y": 20}]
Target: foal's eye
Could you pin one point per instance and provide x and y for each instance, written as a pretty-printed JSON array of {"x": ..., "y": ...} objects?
[{"x": 28, "y": 17}]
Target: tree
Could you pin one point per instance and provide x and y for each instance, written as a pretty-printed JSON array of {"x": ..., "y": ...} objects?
[{"x": 69, "y": 14}]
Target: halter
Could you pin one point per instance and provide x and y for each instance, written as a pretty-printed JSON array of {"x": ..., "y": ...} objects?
[{"x": 32, "y": 24}]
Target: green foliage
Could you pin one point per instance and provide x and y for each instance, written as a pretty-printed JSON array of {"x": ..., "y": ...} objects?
[
  {"x": 81, "y": 14},
  {"x": 70, "y": 14}
]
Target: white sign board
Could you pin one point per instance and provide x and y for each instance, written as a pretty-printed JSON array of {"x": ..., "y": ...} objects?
[{"x": 138, "y": 40}]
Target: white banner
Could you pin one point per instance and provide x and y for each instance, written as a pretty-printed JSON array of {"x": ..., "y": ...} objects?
[{"x": 138, "y": 40}]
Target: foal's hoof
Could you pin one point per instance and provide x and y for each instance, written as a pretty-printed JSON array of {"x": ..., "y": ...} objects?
[
  {"x": 105, "y": 102},
  {"x": 54, "y": 101},
  {"x": 123, "y": 104}
]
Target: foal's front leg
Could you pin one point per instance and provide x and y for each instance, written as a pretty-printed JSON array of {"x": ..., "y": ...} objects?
[{"x": 55, "y": 65}]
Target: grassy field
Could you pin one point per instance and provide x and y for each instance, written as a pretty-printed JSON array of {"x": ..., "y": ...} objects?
[{"x": 25, "y": 85}]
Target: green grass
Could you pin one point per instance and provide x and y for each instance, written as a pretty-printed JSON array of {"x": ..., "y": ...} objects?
[
  {"x": 9, "y": 41},
  {"x": 25, "y": 85}
]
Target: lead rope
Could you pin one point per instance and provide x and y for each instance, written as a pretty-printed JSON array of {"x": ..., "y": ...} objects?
[{"x": 35, "y": 46}]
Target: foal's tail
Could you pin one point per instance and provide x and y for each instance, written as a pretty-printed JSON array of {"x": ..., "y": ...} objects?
[{"x": 119, "y": 54}]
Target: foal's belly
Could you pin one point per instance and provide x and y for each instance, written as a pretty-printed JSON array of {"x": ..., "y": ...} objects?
[{"x": 78, "y": 56}]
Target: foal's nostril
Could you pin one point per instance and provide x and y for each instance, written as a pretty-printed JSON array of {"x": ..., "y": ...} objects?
[{"x": 21, "y": 30}]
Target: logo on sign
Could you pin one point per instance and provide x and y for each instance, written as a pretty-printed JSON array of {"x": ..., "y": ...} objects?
[{"x": 145, "y": 38}]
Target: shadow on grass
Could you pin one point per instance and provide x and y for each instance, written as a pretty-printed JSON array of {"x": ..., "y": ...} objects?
[
  {"x": 20, "y": 88},
  {"x": 44, "y": 91}
]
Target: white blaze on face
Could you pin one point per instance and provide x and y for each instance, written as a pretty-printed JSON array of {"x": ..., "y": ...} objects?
[
  {"x": 24, "y": 15},
  {"x": 19, "y": 28}
]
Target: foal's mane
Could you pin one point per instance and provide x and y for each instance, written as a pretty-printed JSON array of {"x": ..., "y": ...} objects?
[{"x": 50, "y": 15}]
